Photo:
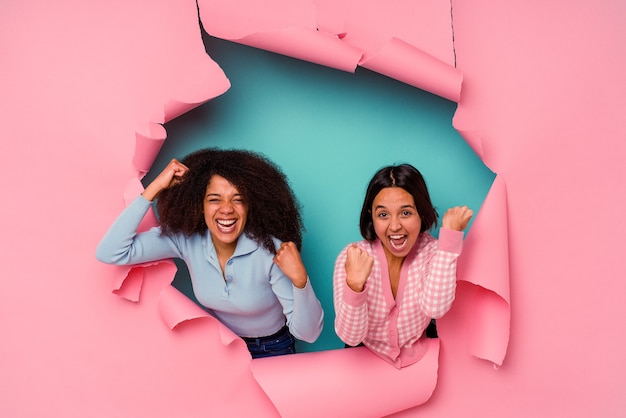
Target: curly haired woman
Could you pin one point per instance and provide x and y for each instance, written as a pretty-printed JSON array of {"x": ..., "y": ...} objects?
[{"x": 234, "y": 220}]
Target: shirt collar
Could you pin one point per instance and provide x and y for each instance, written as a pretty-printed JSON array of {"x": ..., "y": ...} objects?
[{"x": 245, "y": 245}]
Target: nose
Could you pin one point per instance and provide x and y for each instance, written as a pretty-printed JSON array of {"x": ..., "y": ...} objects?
[
  {"x": 395, "y": 224},
  {"x": 226, "y": 207}
]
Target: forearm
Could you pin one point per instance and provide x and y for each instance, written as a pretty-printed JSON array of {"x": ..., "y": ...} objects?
[
  {"x": 440, "y": 281},
  {"x": 440, "y": 288},
  {"x": 351, "y": 323},
  {"x": 307, "y": 318},
  {"x": 152, "y": 191},
  {"x": 351, "y": 318}
]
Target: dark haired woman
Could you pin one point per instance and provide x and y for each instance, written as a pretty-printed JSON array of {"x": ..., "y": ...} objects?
[
  {"x": 234, "y": 220},
  {"x": 389, "y": 286}
]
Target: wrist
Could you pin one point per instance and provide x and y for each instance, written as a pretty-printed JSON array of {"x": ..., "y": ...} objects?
[
  {"x": 151, "y": 192},
  {"x": 299, "y": 283},
  {"x": 355, "y": 287}
]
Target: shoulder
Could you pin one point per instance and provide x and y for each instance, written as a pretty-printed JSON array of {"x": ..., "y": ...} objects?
[
  {"x": 187, "y": 243},
  {"x": 426, "y": 246},
  {"x": 426, "y": 239},
  {"x": 277, "y": 242},
  {"x": 246, "y": 245}
]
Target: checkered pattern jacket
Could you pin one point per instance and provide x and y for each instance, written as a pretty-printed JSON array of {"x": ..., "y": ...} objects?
[{"x": 392, "y": 328}]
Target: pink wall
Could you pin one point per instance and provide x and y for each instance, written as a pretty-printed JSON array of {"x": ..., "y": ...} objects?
[{"x": 541, "y": 101}]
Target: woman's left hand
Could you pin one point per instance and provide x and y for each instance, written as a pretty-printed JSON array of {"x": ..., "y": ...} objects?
[
  {"x": 457, "y": 218},
  {"x": 289, "y": 260}
]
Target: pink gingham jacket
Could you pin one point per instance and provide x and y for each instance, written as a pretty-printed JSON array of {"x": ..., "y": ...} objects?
[{"x": 393, "y": 328}]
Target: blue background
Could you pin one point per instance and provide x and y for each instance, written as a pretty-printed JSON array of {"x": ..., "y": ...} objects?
[{"x": 329, "y": 131}]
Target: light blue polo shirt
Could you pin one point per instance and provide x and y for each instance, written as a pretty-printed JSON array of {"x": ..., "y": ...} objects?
[{"x": 252, "y": 297}]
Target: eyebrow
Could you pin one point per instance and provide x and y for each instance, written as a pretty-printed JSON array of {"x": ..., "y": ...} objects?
[
  {"x": 401, "y": 207},
  {"x": 219, "y": 195}
]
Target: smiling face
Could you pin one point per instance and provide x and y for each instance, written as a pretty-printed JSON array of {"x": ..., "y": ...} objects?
[
  {"x": 225, "y": 213},
  {"x": 396, "y": 221}
]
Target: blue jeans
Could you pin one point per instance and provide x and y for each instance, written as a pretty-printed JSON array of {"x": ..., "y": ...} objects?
[{"x": 273, "y": 345}]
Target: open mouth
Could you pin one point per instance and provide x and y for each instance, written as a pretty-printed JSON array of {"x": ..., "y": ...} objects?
[
  {"x": 226, "y": 226},
  {"x": 398, "y": 242}
]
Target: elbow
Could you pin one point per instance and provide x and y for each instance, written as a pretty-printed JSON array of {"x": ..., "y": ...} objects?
[
  {"x": 106, "y": 256},
  {"x": 346, "y": 338},
  {"x": 309, "y": 338},
  {"x": 437, "y": 312},
  {"x": 314, "y": 334},
  {"x": 351, "y": 342},
  {"x": 310, "y": 333},
  {"x": 436, "y": 306},
  {"x": 102, "y": 255}
]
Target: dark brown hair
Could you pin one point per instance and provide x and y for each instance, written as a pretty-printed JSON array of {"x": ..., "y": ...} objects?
[
  {"x": 273, "y": 211},
  {"x": 410, "y": 179}
]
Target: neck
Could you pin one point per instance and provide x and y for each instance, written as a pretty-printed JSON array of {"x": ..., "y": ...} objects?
[
  {"x": 392, "y": 259},
  {"x": 224, "y": 251}
]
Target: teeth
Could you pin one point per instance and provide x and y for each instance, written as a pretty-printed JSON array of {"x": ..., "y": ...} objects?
[
  {"x": 228, "y": 222},
  {"x": 396, "y": 246}
]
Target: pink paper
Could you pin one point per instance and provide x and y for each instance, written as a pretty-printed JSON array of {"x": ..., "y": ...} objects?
[
  {"x": 127, "y": 284},
  {"x": 147, "y": 148},
  {"x": 425, "y": 25},
  {"x": 405, "y": 63},
  {"x": 307, "y": 45},
  {"x": 343, "y": 34},
  {"x": 350, "y": 382},
  {"x": 485, "y": 258},
  {"x": 176, "y": 308},
  {"x": 291, "y": 31},
  {"x": 541, "y": 103},
  {"x": 485, "y": 263}
]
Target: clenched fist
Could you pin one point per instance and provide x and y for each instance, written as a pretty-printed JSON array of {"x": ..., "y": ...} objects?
[
  {"x": 289, "y": 260},
  {"x": 170, "y": 175},
  {"x": 457, "y": 218},
  {"x": 358, "y": 267}
]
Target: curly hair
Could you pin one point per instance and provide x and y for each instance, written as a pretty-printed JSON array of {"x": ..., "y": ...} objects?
[
  {"x": 410, "y": 179},
  {"x": 273, "y": 210}
]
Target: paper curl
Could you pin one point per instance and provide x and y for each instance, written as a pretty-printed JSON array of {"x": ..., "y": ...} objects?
[
  {"x": 485, "y": 263},
  {"x": 351, "y": 382},
  {"x": 310, "y": 33},
  {"x": 399, "y": 60}
]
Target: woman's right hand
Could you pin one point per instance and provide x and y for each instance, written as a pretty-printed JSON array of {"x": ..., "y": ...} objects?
[
  {"x": 358, "y": 267},
  {"x": 170, "y": 175}
]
